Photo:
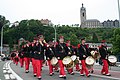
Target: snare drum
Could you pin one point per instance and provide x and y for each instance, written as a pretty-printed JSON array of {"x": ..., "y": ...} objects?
[
  {"x": 74, "y": 58},
  {"x": 54, "y": 61},
  {"x": 112, "y": 60},
  {"x": 89, "y": 61},
  {"x": 68, "y": 62},
  {"x": 95, "y": 55}
]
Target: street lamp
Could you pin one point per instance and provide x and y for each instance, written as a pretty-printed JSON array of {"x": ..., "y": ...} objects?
[
  {"x": 55, "y": 32},
  {"x": 15, "y": 23},
  {"x": 119, "y": 12}
]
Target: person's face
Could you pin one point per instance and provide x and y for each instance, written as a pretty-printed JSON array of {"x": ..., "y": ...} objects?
[
  {"x": 103, "y": 44},
  {"x": 83, "y": 41},
  {"x": 61, "y": 40},
  {"x": 68, "y": 44},
  {"x": 34, "y": 41},
  {"x": 27, "y": 45},
  {"x": 41, "y": 39},
  {"x": 24, "y": 45}
]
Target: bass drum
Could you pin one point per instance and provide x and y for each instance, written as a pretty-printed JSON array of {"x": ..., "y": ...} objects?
[
  {"x": 95, "y": 55},
  {"x": 54, "y": 61},
  {"x": 89, "y": 61},
  {"x": 68, "y": 62},
  {"x": 74, "y": 58},
  {"x": 112, "y": 60}
]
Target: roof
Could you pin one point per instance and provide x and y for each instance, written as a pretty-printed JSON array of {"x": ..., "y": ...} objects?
[{"x": 91, "y": 20}]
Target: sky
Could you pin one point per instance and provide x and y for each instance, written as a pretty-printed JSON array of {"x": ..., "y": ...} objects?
[{"x": 58, "y": 11}]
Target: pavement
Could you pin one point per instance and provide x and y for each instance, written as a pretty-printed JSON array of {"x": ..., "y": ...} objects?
[{"x": 15, "y": 72}]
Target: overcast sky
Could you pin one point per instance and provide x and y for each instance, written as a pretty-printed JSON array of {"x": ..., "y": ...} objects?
[{"x": 58, "y": 11}]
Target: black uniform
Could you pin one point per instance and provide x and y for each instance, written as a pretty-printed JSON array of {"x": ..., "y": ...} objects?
[
  {"x": 71, "y": 50},
  {"x": 103, "y": 52},
  {"x": 83, "y": 50},
  {"x": 21, "y": 53},
  {"x": 61, "y": 50},
  {"x": 26, "y": 52},
  {"x": 50, "y": 52},
  {"x": 39, "y": 52},
  {"x": 32, "y": 50}
]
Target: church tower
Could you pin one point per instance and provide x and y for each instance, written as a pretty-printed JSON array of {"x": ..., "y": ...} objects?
[{"x": 82, "y": 14}]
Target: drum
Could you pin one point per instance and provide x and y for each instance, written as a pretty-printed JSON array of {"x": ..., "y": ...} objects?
[
  {"x": 95, "y": 54},
  {"x": 112, "y": 60},
  {"x": 68, "y": 62},
  {"x": 74, "y": 58},
  {"x": 89, "y": 61},
  {"x": 54, "y": 61}
]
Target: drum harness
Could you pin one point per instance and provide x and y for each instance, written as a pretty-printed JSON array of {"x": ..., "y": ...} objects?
[{"x": 84, "y": 50}]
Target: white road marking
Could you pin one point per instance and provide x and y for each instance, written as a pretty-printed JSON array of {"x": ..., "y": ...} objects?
[
  {"x": 109, "y": 70},
  {"x": 4, "y": 68},
  {"x": 17, "y": 77},
  {"x": 4, "y": 71},
  {"x": 9, "y": 71},
  {"x": 12, "y": 76},
  {"x": 6, "y": 76},
  {"x": 108, "y": 77}
]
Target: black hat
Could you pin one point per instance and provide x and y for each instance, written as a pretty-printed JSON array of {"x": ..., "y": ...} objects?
[{"x": 82, "y": 39}]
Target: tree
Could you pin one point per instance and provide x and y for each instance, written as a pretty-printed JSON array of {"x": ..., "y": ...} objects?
[
  {"x": 95, "y": 38},
  {"x": 116, "y": 41}
]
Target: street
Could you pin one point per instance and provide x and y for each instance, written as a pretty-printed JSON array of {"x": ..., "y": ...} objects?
[{"x": 18, "y": 73}]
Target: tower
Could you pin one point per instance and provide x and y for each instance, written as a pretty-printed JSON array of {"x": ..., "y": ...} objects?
[{"x": 82, "y": 14}]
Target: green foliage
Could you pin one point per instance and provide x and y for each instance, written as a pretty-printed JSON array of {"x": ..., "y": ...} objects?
[
  {"x": 116, "y": 41},
  {"x": 95, "y": 38}
]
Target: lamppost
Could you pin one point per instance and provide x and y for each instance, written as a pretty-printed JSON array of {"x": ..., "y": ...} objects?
[
  {"x": 55, "y": 32},
  {"x": 119, "y": 12},
  {"x": 16, "y": 23}
]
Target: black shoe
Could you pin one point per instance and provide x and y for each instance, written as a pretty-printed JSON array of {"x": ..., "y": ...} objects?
[
  {"x": 50, "y": 74},
  {"x": 64, "y": 77},
  {"x": 26, "y": 71},
  {"x": 39, "y": 78},
  {"x": 81, "y": 74},
  {"x": 34, "y": 75},
  {"x": 72, "y": 73},
  {"x": 92, "y": 71},
  {"x": 88, "y": 75},
  {"x": 108, "y": 74}
]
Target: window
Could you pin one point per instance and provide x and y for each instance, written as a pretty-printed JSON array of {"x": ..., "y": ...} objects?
[{"x": 83, "y": 14}]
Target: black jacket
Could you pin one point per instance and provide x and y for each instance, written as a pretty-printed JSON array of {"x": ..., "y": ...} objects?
[
  {"x": 26, "y": 52},
  {"x": 103, "y": 52},
  {"x": 39, "y": 52},
  {"x": 83, "y": 50},
  {"x": 61, "y": 50},
  {"x": 71, "y": 50},
  {"x": 21, "y": 54},
  {"x": 50, "y": 52},
  {"x": 32, "y": 50}
]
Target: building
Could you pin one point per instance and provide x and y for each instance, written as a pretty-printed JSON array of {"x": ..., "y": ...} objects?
[
  {"x": 111, "y": 24},
  {"x": 83, "y": 14},
  {"x": 46, "y": 22},
  {"x": 90, "y": 23},
  {"x": 94, "y": 23}
]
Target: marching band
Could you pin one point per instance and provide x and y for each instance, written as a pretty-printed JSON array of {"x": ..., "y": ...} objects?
[{"x": 60, "y": 56}]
